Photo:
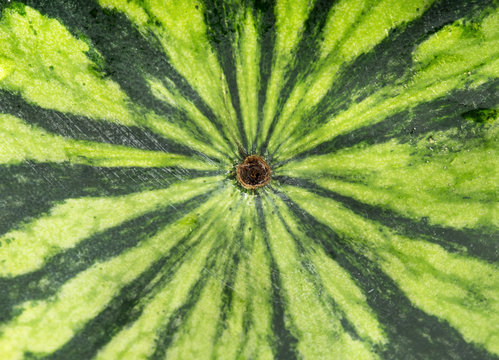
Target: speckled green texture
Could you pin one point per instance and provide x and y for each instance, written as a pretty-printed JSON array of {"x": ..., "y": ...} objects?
[{"x": 125, "y": 235}]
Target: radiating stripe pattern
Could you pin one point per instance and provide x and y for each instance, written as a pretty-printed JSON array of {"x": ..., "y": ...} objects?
[{"x": 125, "y": 235}]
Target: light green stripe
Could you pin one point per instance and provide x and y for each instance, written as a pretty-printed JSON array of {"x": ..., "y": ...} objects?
[
  {"x": 248, "y": 73},
  {"x": 314, "y": 323},
  {"x": 458, "y": 56},
  {"x": 28, "y": 248},
  {"x": 290, "y": 20},
  {"x": 198, "y": 332},
  {"x": 49, "y": 67},
  {"x": 42, "y": 61},
  {"x": 356, "y": 160},
  {"x": 138, "y": 340},
  {"x": 182, "y": 33},
  {"x": 249, "y": 333},
  {"x": 172, "y": 96},
  {"x": 337, "y": 283},
  {"x": 162, "y": 126},
  {"x": 450, "y": 181},
  {"x": 46, "y": 325},
  {"x": 372, "y": 27},
  {"x": 20, "y": 142},
  {"x": 353, "y": 27},
  {"x": 344, "y": 18},
  {"x": 464, "y": 291}
]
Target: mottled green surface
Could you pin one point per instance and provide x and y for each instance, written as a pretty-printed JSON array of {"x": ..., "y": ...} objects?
[{"x": 124, "y": 234}]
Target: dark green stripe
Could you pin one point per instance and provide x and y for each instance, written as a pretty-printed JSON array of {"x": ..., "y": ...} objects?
[
  {"x": 220, "y": 16},
  {"x": 128, "y": 56},
  {"x": 402, "y": 41},
  {"x": 409, "y": 329},
  {"x": 82, "y": 128},
  {"x": 411, "y": 124},
  {"x": 314, "y": 277},
  {"x": 30, "y": 189},
  {"x": 47, "y": 281},
  {"x": 123, "y": 310},
  {"x": 284, "y": 342},
  {"x": 390, "y": 60},
  {"x": 264, "y": 9},
  {"x": 247, "y": 322},
  {"x": 165, "y": 335},
  {"x": 307, "y": 54},
  {"x": 179, "y": 317},
  {"x": 230, "y": 269},
  {"x": 478, "y": 243}
]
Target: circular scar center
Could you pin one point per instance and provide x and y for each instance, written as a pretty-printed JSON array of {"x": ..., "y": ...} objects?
[{"x": 253, "y": 172}]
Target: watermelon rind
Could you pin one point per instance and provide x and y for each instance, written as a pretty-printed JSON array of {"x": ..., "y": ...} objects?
[{"x": 128, "y": 229}]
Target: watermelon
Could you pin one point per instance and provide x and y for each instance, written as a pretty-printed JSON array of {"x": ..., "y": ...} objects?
[{"x": 288, "y": 179}]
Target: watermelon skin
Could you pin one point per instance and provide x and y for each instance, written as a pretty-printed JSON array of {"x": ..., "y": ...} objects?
[{"x": 124, "y": 234}]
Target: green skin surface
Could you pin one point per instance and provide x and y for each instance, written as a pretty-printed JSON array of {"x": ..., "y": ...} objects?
[{"x": 124, "y": 234}]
